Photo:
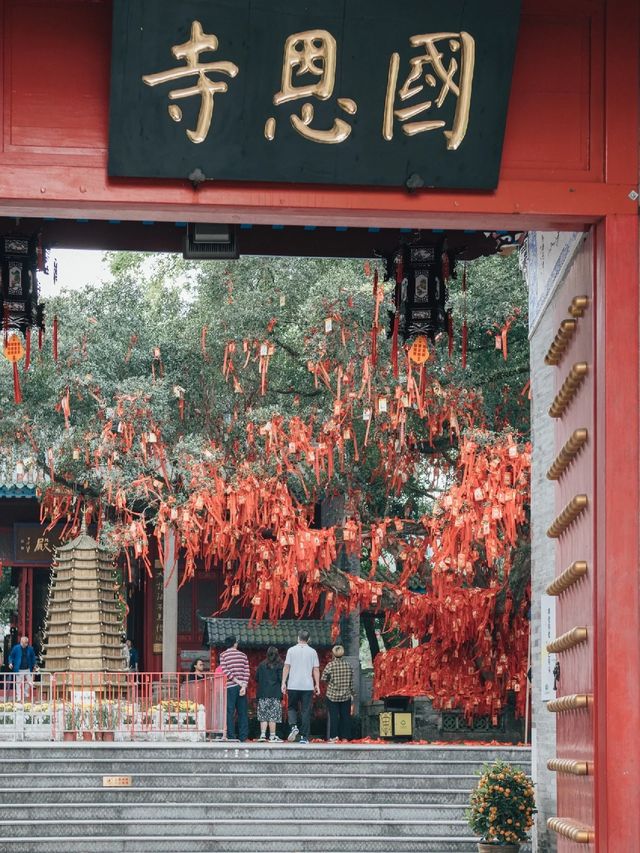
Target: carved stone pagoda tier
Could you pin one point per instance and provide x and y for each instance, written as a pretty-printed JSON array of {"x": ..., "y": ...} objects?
[{"x": 84, "y": 622}]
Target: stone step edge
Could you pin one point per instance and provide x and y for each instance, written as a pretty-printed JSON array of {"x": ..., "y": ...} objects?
[
  {"x": 235, "y": 822},
  {"x": 148, "y": 788},
  {"x": 231, "y": 759},
  {"x": 229, "y": 805},
  {"x": 191, "y": 745},
  {"x": 84, "y": 773},
  {"x": 61, "y": 839}
]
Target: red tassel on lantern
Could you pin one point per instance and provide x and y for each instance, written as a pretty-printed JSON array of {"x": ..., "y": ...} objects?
[
  {"x": 17, "y": 391},
  {"x": 55, "y": 338},
  {"x": 422, "y": 385},
  {"x": 27, "y": 350}
]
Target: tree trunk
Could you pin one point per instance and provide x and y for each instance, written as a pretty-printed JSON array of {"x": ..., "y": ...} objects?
[
  {"x": 332, "y": 513},
  {"x": 369, "y": 624}
]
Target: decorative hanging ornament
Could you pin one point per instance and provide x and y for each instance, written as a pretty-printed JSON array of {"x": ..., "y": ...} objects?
[
  {"x": 14, "y": 352},
  {"x": 421, "y": 274},
  {"x": 419, "y": 352},
  {"x": 13, "y": 349}
]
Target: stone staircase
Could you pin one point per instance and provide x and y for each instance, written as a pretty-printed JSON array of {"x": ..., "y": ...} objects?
[{"x": 240, "y": 797}]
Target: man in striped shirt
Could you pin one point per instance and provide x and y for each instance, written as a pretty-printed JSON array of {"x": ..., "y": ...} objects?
[{"x": 235, "y": 666}]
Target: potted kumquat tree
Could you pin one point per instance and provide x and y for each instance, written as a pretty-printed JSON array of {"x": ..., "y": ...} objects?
[{"x": 501, "y": 808}]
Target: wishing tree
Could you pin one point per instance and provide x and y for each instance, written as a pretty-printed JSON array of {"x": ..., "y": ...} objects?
[{"x": 226, "y": 406}]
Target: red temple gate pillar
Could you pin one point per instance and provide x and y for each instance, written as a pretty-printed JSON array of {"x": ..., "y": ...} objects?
[{"x": 617, "y": 496}]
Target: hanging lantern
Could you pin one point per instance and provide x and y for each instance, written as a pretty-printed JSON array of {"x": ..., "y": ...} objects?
[
  {"x": 19, "y": 258},
  {"x": 420, "y": 274}
]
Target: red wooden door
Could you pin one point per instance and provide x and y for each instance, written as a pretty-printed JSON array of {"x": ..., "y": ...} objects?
[
  {"x": 573, "y": 530},
  {"x": 597, "y": 553}
]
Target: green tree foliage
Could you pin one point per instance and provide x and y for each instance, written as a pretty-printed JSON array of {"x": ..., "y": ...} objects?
[
  {"x": 158, "y": 331},
  {"x": 176, "y": 372},
  {"x": 496, "y": 295}
]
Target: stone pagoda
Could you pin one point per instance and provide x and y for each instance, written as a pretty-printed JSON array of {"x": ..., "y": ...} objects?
[{"x": 84, "y": 623}]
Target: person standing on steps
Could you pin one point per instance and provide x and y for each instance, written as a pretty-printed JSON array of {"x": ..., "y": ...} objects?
[
  {"x": 269, "y": 678},
  {"x": 132, "y": 654},
  {"x": 22, "y": 662},
  {"x": 300, "y": 680},
  {"x": 235, "y": 665},
  {"x": 124, "y": 652},
  {"x": 339, "y": 675}
]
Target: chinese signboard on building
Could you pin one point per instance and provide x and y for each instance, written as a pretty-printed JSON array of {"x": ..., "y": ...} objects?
[
  {"x": 33, "y": 544},
  {"x": 368, "y": 92}
]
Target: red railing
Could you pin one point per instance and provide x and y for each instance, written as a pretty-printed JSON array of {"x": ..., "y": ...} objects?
[{"x": 116, "y": 706}]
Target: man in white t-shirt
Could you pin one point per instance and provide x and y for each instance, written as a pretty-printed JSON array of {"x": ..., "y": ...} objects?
[{"x": 300, "y": 680}]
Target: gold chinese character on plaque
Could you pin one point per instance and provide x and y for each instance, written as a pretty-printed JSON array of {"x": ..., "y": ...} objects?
[
  {"x": 311, "y": 55},
  {"x": 204, "y": 87},
  {"x": 445, "y": 67},
  {"x": 42, "y": 544}
]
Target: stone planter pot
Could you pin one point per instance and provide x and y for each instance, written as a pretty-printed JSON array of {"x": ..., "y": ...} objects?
[
  {"x": 108, "y": 735},
  {"x": 68, "y": 736},
  {"x": 87, "y": 735},
  {"x": 492, "y": 847}
]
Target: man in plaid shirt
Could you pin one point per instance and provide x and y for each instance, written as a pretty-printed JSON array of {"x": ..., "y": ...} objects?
[{"x": 339, "y": 675}]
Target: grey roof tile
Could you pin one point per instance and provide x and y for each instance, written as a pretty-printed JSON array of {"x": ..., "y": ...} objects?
[{"x": 250, "y": 635}]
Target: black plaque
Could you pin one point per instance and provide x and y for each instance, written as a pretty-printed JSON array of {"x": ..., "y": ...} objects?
[
  {"x": 357, "y": 101},
  {"x": 34, "y": 544}
]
